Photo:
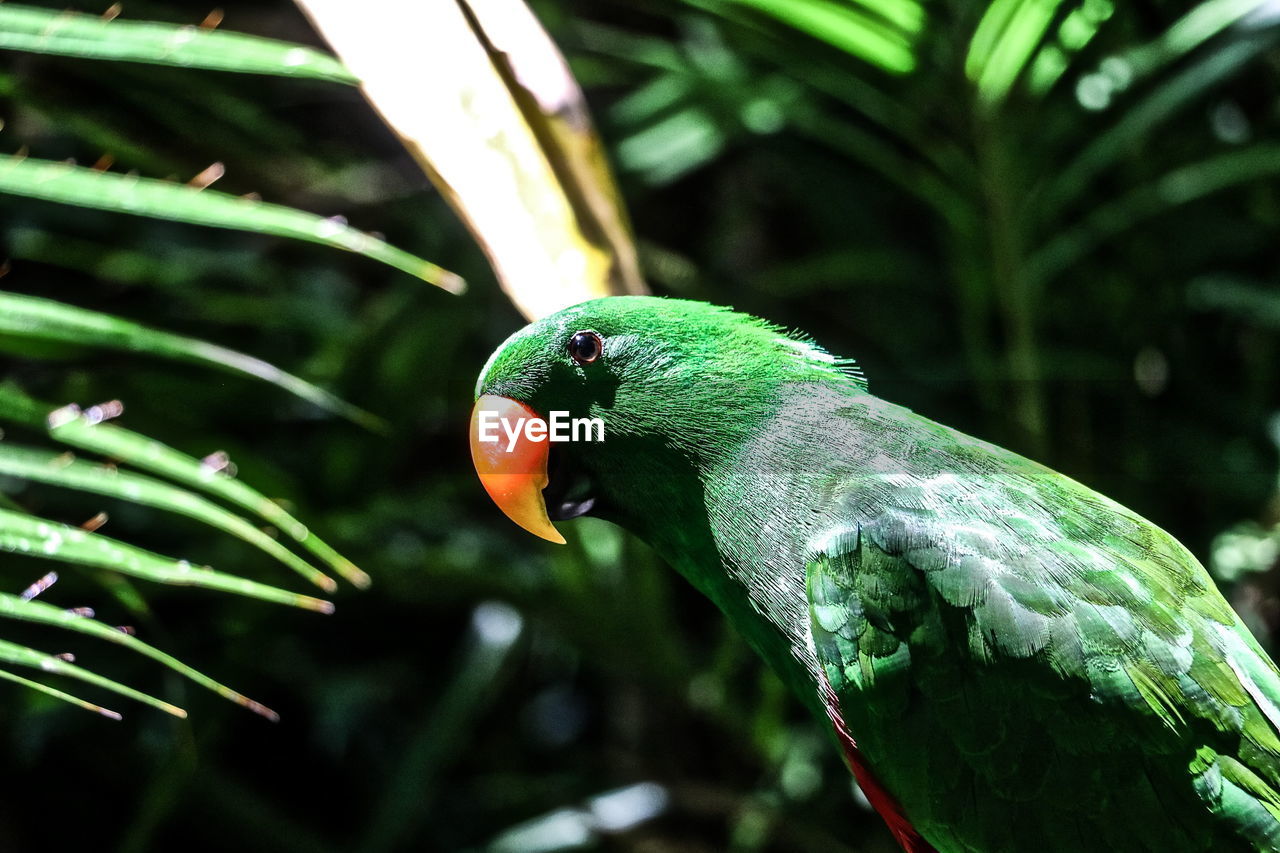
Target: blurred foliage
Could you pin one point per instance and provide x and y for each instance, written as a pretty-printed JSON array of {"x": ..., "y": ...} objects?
[
  {"x": 1052, "y": 224},
  {"x": 35, "y": 327}
]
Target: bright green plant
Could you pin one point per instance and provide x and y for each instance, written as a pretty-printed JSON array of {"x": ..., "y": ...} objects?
[{"x": 175, "y": 483}]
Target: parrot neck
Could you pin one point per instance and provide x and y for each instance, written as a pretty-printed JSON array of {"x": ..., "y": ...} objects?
[
  {"x": 745, "y": 531},
  {"x": 678, "y": 517},
  {"x": 740, "y": 524},
  {"x": 783, "y": 643},
  {"x": 722, "y": 498}
]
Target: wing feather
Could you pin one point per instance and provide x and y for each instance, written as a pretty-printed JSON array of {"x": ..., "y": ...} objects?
[{"x": 1066, "y": 661}]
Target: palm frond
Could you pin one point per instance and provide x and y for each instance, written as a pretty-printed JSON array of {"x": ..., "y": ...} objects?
[
  {"x": 36, "y": 30},
  {"x": 84, "y": 187},
  {"x": 32, "y": 536},
  {"x": 87, "y": 430},
  {"x": 62, "y": 469},
  {"x": 28, "y": 610},
  {"x": 31, "y": 318}
]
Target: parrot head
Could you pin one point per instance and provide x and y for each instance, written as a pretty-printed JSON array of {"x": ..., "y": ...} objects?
[{"x": 663, "y": 388}]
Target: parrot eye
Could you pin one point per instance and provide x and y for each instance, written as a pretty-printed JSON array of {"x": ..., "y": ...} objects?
[{"x": 585, "y": 347}]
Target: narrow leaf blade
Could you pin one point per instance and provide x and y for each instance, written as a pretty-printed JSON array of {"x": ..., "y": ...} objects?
[
  {"x": 50, "y": 320},
  {"x": 72, "y": 427},
  {"x": 58, "y": 694},
  {"x": 35, "y": 537},
  {"x": 14, "y": 607},
  {"x": 23, "y": 656},
  {"x": 59, "y": 469},
  {"x": 84, "y": 187},
  {"x": 91, "y": 37}
]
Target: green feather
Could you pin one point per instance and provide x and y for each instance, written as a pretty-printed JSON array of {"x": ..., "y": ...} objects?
[{"x": 1024, "y": 664}]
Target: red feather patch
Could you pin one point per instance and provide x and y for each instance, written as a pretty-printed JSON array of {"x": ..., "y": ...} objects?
[{"x": 881, "y": 800}]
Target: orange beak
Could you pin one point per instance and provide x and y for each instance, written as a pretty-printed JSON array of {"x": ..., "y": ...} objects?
[{"x": 512, "y": 470}]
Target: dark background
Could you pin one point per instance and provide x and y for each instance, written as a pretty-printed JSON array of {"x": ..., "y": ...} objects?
[{"x": 1086, "y": 274}]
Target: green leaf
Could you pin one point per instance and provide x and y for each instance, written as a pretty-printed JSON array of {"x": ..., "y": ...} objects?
[
  {"x": 74, "y": 428},
  {"x": 1203, "y": 22},
  {"x": 1139, "y": 120},
  {"x": 1004, "y": 41},
  {"x": 672, "y": 147},
  {"x": 14, "y": 607},
  {"x": 34, "y": 318},
  {"x": 91, "y": 37},
  {"x": 23, "y": 656},
  {"x": 681, "y": 83},
  {"x": 1180, "y": 186},
  {"x": 850, "y": 140},
  {"x": 1074, "y": 33},
  {"x": 60, "y": 469},
  {"x": 1256, "y": 302},
  {"x": 36, "y": 537},
  {"x": 58, "y": 694},
  {"x": 84, "y": 187},
  {"x": 880, "y": 33}
]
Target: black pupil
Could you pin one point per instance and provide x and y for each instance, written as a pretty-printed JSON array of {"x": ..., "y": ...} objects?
[{"x": 585, "y": 346}]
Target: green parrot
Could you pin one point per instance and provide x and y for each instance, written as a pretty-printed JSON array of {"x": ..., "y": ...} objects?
[{"x": 1009, "y": 660}]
